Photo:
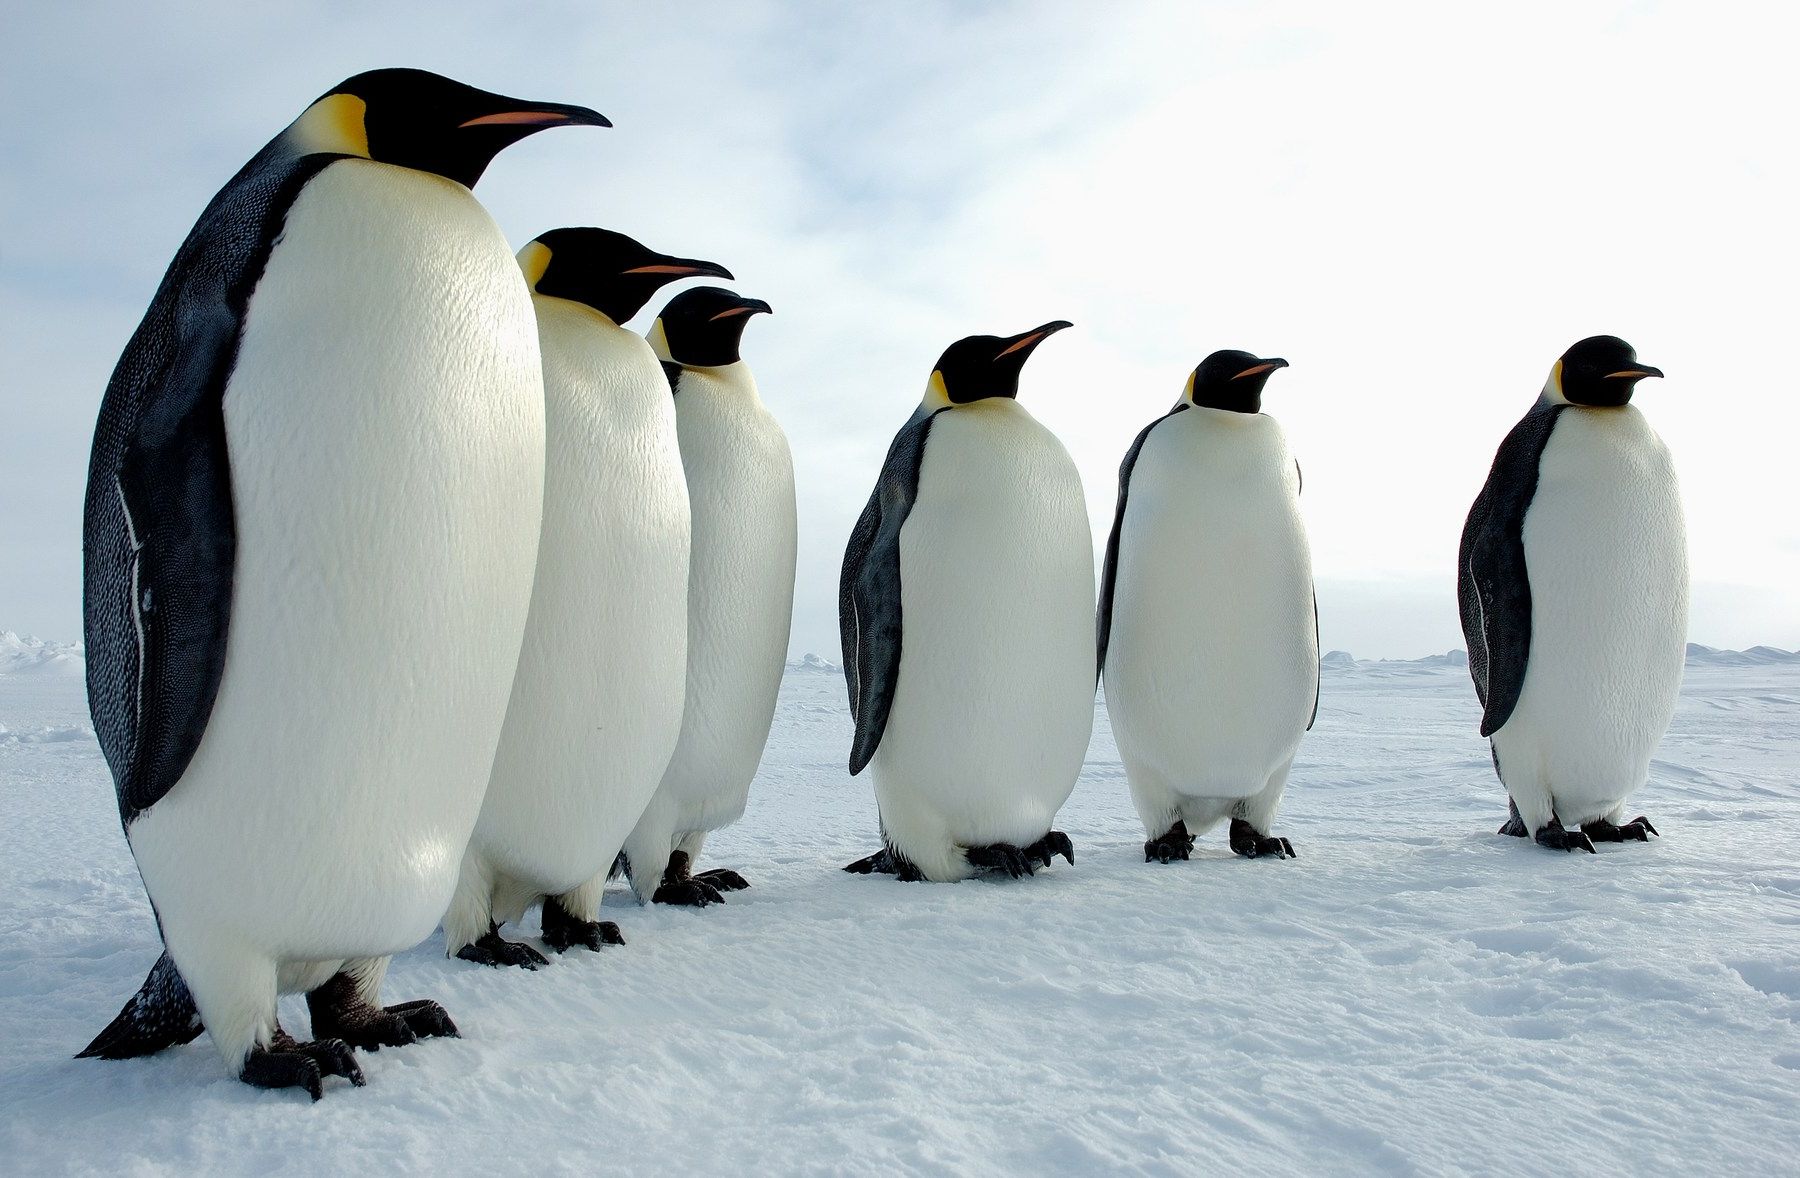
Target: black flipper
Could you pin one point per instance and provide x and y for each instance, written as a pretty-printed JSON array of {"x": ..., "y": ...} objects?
[
  {"x": 1493, "y": 589},
  {"x": 159, "y": 534},
  {"x": 869, "y": 621},
  {"x": 1103, "y": 615},
  {"x": 161, "y": 1014}
]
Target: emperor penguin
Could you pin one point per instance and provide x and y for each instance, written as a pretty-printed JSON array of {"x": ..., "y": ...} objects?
[
  {"x": 1208, "y": 633},
  {"x": 1572, "y": 578},
  {"x": 964, "y": 606},
  {"x": 596, "y": 704},
  {"x": 740, "y": 596},
  {"x": 311, "y": 522}
]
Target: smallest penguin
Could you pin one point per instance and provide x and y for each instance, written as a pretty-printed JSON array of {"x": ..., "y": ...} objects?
[{"x": 1207, "y": 630}]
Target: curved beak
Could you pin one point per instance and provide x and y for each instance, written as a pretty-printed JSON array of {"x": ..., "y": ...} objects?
[
  {"x": 745, "y": 307},
  {"x": 1262, "y": 366},
  {"x": 1025, "y": 341},
  {"x": 1637, "y": 373},
  {"x": 673, "y": 268},
  {"x": 540, "y": 114}
]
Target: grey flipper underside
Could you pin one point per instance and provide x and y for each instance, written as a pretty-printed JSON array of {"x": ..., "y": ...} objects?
[
  {"x": 1103, "y": 615},
  {"x": 159, "y": 535},
  {"x": 869, "y": 621},
  {"x": 1493, "y": 587}
]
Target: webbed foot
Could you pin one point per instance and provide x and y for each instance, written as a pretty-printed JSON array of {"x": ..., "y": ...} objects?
[
  {"x": 1554, "y": 836},
  {"x": 887, "y": 861},
  {"x": 563, "y": 930},
  {"x": 339, "y": 1012},
  {"x": 1247, "y": 841},
  {"x": 1638, "y": 830},
  {"x": 492, "y": 950},
  {"x": 688, "y": 893},
  {"x": 288, "y": 1063},
  {"x": 1054, "y": 843},
  {"x": 1174, "y": 843},
  {"x": 1001, "y": 857},
  {"x": 723, "y": 878},
  {"x": 1515, "y": 825}
]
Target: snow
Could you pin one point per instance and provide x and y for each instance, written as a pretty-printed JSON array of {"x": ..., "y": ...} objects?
[{"x": 1415, "y": 993}]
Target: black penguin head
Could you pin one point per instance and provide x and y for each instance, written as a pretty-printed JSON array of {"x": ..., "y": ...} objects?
[
  {"x": 702, "y": 327},
  {"x": 982, "y": 366},
  {"x": 1232, "y": 380},
  {"x": 418, "y": 119},
  {"x": 1600, "y": 371},
  {"x": 607, "y": 271}
]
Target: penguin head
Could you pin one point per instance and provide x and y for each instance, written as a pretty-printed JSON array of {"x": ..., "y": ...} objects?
[
  {"x": 702, "y": 327},
  {"x": 607, "y": 271},
  {"x": 978, "y": 367},
  {"x": 1601, "y": 371},
  {"x": 421, "y": 120},
  {"x": 1231, "y": 380}
]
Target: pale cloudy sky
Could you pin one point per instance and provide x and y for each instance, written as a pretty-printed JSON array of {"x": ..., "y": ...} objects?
[{"x": 1419, "y": 204}]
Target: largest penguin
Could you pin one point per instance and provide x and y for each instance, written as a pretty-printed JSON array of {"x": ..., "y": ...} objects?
[
  {"x": 311, "y": 523},
  {"x": 1573, "y": 585},
  {"x": 965, "y": 608},
  {"x": 597, "y": 701}
]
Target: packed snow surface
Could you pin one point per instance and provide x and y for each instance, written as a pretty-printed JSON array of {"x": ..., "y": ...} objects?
[{"x": 1413, "y": 994}]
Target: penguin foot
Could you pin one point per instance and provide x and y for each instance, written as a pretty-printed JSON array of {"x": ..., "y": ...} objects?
[
  {"x": 1638, "y": 830},
  {"x": 688, "y": 893},
  {"x": 887, "y": 861},
  {"x": 339, "y": 1013},
  {"x": 1553, "y": 835},
  {"x": 1054, "y": 843},
  {"x": 1174, "y": 843},
  {"x": 491, "y": 950},
  {"x": 723, "y": 878},
  {"x": 288, "y": 1063},
  {"x": 1251, "y": 844},
  {"x": 563, "y": 931},
  {"x": 1002, "y": 857},
  {"x": 1515, "y": 825}
]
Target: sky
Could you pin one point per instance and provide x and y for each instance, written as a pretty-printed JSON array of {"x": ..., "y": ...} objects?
[{"x": 1419, "y": 205}]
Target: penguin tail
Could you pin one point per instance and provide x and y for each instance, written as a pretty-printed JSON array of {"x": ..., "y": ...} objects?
[{"x": 161, "y": 1014}]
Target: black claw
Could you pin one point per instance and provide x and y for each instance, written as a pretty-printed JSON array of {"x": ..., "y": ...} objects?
[
  {"x": 1247, "y": 841},
  {"x": 426, "y": 1019},
  {"x": 688, "y": 893},
  {"x": 1554, "y": 836},
  {"x": 1003, "y": 857},
  {"x": 289, "y": 1063},
  {"x": 1637, "y": 830},
  {"x": 563, "y": 931},
  {"x": 1174, "y": 843},
  {"x": 887, "y": 861},
  {"x": 725, "y": 879},
  {"x": 491, "y": 950},
  {"x": 339, "y": 1012}
]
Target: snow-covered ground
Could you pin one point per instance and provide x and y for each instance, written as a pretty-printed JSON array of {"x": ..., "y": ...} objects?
[{"x": 1413, "y": 994}]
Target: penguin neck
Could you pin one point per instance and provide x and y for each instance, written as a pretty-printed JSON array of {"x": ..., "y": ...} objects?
[
  {"x": 732, "y": 383},
  {"x": 598, "y": 317}
]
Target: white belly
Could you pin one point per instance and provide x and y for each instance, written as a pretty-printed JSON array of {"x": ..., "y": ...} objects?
[
  {"x": 1606, "y": 552},
  {"x": 597, "y": 702},
  {"x": 995, "y": 698},
  {"x": 1212, "y": 666},
  {"x": 386, "y": 431},
  {"x": 740, "y": 481}
]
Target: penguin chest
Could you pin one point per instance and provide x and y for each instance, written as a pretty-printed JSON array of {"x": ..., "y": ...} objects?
[
  {"x": 740, "y": 594},
  {"x": 1606, "y": 554},
  {"x": 385, "y": 431},
  {"x": 1212, "y": 667},
  {"x": 596, "y": 704},
  {"x": 993, "y": 705}
]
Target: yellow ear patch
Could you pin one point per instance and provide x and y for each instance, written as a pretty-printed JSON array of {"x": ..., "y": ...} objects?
[
  {"x": 1556, "y": 377},
  {"x": 333, "y": 125},
  {"x": 937, "y": 395},
  {"x": 1187, "y": 391},
  {"x": 534, "y": 259},
  {"x": 659, "y": 341}
]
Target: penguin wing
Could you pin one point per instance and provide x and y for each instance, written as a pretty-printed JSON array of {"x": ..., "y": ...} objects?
[
  {"x": 869, "y": 621},
  {"x": 1103, "y": 615},
  {"x": 159, "y": 536},
  {"x": 1493, "y": 587}
]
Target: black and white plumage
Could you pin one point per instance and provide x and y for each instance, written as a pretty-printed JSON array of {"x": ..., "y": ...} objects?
[
  {"x": 1572, "y": 586},
  {"x": 265, "y": 564}
]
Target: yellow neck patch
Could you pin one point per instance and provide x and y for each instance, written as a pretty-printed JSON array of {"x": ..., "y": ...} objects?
[
  {"x": 659, "y": 341},
  {"x": 534, "y": 259},
  {"x": 333, "y": 125},
  {"x": 937, "y": 396},
  {"x": 1187, "y": 391}
]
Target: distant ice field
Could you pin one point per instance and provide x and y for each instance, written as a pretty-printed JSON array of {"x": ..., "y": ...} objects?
[{"x": 1414, "y": 994}]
